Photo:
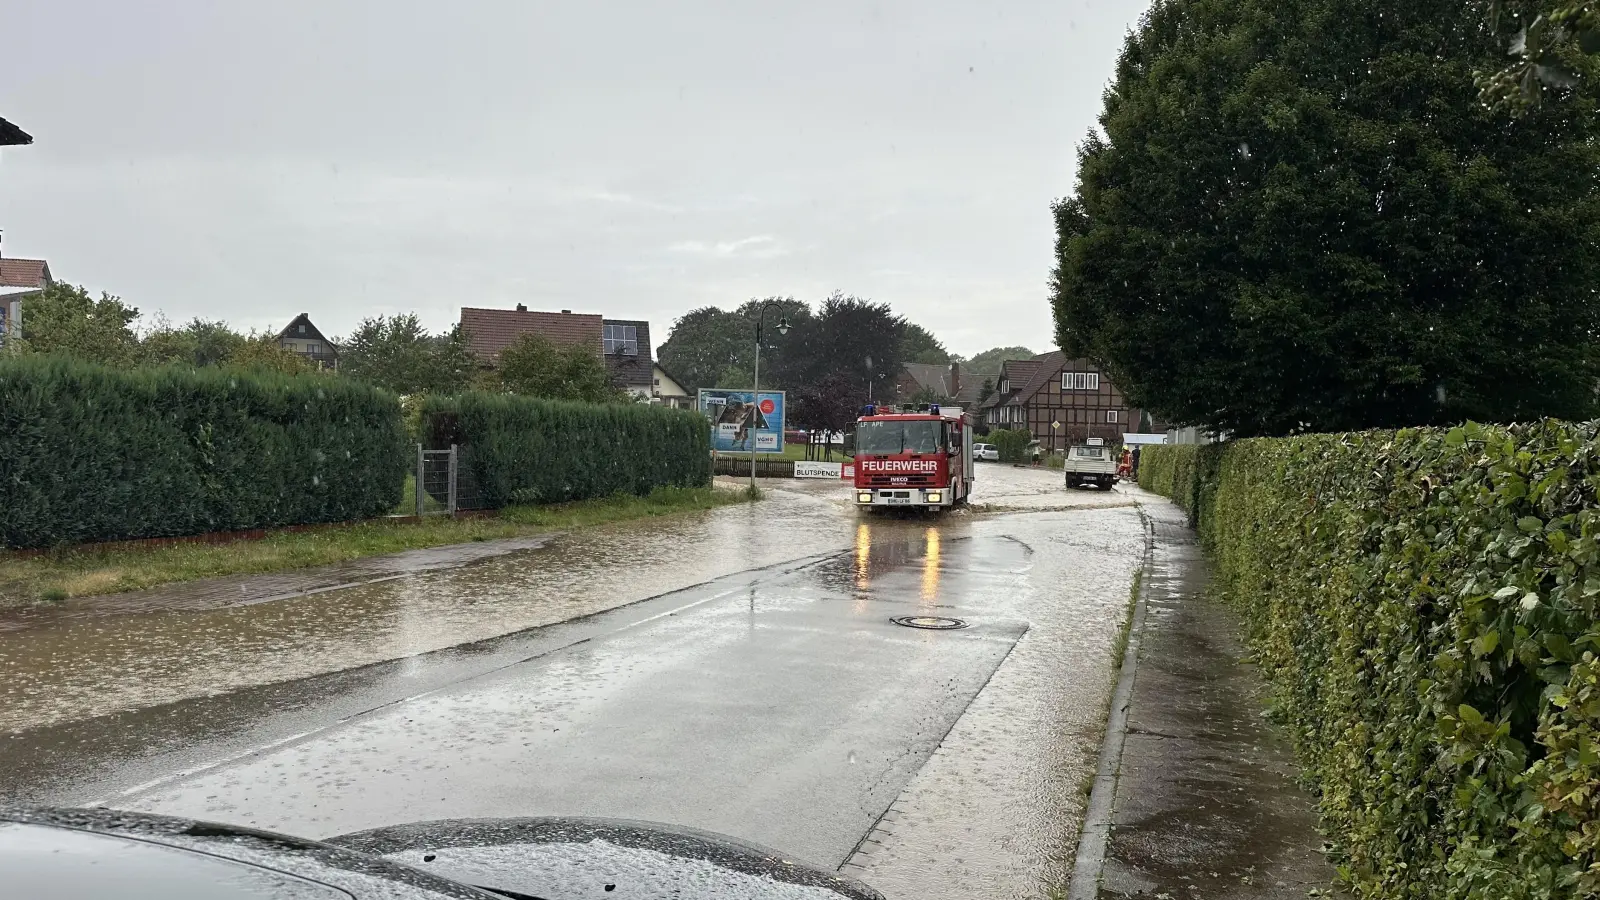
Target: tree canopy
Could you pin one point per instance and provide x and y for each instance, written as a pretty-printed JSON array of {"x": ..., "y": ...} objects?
[
  {"x": 1552, "y": 44},
  {"x": 920, "y": 346},
  {"x": 538, "y": 367},
  {"x": 990, "y": 361},
  {"x": 397, "y": 353},
  {"x": 856, "y": 339},
  {"x": 1299, "y": 216},
  {"x": 64, "y": 319}
]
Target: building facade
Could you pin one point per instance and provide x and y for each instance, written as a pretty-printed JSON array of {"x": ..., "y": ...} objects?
[
  {"x": 19, "y": 280},
  {"x": 302, "y": 337},
  {"x": 1062, "y": 402}
]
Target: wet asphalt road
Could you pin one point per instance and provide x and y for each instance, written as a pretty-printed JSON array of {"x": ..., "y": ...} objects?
[{"x": 734, "y": 671}]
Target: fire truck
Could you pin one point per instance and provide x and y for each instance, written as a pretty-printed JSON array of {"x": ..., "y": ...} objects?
[{"x": 919, "y": 457}]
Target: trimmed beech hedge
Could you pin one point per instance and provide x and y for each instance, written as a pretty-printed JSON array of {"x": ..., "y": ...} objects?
[
  {"x": 527, "y": 450},
  {"x": 89, "y": 453},
  {"x": 1425, "y": 603}
]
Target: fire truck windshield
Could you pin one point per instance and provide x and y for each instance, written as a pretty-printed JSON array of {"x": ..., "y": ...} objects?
[{"x": 888, "y": 438}]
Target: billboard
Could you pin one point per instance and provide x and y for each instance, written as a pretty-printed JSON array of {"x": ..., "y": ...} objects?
[{"x": 742, "y": 421}]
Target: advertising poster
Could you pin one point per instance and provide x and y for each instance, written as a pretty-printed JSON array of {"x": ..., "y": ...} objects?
[{"x": 742, "y": 421}]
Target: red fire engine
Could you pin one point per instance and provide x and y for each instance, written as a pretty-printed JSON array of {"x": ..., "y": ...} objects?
[{"x": 906, "y": 457}]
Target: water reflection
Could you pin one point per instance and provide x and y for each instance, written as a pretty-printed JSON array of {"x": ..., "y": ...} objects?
[
  {"x": 78, "y": 667},
  {"x": 930, "y": 567},
  {"x": 863, "y": 556}
]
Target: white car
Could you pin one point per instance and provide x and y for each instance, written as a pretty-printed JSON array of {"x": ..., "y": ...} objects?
[{"x": 986, "y": 452}]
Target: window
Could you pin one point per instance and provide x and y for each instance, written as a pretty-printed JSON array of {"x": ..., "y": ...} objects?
[
  {"x": 313, "y": 347},
  {"x": 1080, "y": 381},
  {"x": 623, "y": 339},
  {"x": 302, "y": 329},
  {"x": 1113, "y": 415},
  {"x": 1005, "y": 385},
  {"x": 891, "y": 438}
]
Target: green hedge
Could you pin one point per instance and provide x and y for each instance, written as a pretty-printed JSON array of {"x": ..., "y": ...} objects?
[
  {"x": 526, "y": 450},
  {"x": 1012, "y": 443},
  {"x": 93, "y": 454},
  {"x": 1425, "y": 603}
]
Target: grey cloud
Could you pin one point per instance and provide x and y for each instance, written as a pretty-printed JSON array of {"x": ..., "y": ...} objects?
[{"x": 252, "y": 161}]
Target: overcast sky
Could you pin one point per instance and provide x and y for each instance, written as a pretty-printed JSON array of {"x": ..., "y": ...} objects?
[{"x": 250, "y": 161}]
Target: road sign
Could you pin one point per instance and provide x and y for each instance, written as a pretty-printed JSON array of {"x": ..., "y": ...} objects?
[{"x": 818, "y": 469}]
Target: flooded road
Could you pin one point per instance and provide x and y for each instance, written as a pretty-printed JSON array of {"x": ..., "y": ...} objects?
[{"x": 733, "y": 670}]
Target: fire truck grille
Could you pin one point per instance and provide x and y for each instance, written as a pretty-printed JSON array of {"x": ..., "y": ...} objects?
[{"x": 884, "y": 481}]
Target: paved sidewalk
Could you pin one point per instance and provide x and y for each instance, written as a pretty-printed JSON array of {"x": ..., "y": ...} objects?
[
  {"x": 243, "y": 590},
  {"x": 1207, "y": 803}
]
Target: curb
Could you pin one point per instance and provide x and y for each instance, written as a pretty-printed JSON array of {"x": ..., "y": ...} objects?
[{"x": 1095, "y": 837}]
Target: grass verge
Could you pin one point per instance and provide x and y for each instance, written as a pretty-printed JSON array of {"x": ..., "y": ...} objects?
[{"x": 54, "y": 577}]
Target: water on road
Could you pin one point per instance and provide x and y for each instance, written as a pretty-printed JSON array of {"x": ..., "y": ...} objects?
[{"x": 733, "y": 670}]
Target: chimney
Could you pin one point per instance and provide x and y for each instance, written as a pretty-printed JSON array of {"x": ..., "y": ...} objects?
[
  {"x": 522, "y": 307},
  {"x": 955, "y": 381},
  {"x": 566, "y": 312}
]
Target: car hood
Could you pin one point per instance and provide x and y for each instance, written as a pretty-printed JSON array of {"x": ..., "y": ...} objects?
[{"x": 557, "y": 858}]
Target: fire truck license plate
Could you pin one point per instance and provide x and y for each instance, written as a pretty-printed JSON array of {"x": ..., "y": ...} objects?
[{"x": 898, "y": 501}]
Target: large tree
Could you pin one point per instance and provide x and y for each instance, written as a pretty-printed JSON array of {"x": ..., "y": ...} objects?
[
  {"x": 857, "y": 339},
  {"x": 711, "y": 347},
  {"x": 703, "y": 344},
  {"x": 920, "y": 346},
  {"x": 397, "y": 353},
  {"x": 1299, "y": 216},
  {"x": 64, "y": 319}
]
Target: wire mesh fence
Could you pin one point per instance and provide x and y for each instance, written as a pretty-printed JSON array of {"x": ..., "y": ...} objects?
[{"x": 444, "y": 485}]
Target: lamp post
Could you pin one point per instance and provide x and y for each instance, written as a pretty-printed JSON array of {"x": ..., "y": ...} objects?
[{"x": 755, "y": 391}]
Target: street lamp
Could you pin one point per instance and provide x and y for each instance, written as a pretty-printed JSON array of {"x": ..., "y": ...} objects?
[{"x": 755, "y": 391}]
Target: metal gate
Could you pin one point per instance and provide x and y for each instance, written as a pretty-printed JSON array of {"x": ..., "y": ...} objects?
[{"x": 436, "y": 481}]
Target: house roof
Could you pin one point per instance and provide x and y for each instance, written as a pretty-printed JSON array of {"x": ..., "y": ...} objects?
[
  {"x": 934, "y": 377},
  {"x": 631, "y": 371},
  {"x": 292, "y": 330},
  {"x": 490, "y": 331},
  {"x": 1049, "y": 365},
  {"x": 972, "y": 386},
  {"x": 28, "y": 273},
  {"x": 658, "y": 367},
  {"x": 12, "y": 136},
  {"x": 1018, "y": 372}
]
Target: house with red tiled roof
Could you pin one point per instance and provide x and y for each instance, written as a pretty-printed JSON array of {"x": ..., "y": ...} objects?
[
  {"x": 19, "y": 279},
  {"x": 489, "y": 332},
  {"x": 624, "y": 344},
  {"x": 1061, "y": 402}
]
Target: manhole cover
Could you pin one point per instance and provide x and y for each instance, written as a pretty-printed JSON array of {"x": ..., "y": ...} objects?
[{"x": 937, "y": 623}]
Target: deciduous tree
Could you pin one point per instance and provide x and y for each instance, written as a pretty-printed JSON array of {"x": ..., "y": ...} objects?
[
  {"x": 64, "y": 319},
  {"x": 990, "y": 361},
  {"x": 398, "y": 353},
  {"x": 920, "y": 346},
  {"x": 537, "y": 367},
  {"x": 1298, "y": 216}
]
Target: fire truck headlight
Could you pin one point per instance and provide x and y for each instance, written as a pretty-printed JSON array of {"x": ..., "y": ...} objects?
[
  {"x": 864, "y": 497},
  {"x": 935, "y": 497}
]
